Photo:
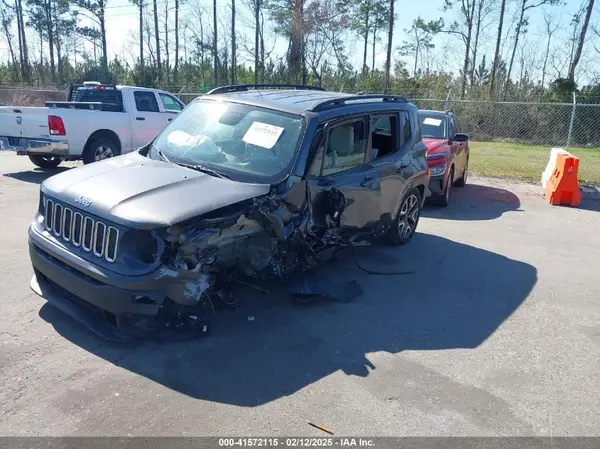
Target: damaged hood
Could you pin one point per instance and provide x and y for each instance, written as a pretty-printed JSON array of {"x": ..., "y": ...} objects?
[{"x": 140, "y": 192}]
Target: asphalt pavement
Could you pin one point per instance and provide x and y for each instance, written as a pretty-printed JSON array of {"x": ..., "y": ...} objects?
[{"x": 497, "y": 332}]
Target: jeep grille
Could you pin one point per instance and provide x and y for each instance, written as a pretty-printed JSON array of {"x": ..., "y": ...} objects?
[{"x": 93, "y": 236}]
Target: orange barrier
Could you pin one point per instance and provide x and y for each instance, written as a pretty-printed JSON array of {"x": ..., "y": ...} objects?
[{"x": 563, "y": 187}]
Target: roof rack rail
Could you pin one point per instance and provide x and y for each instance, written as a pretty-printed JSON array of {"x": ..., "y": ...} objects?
[
  {"x": 246, "y": 87},
  {"x": 334, "y": 103}
]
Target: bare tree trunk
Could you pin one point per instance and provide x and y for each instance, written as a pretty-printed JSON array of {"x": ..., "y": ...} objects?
[
  {"x": 233, "y": 49},
  {"x": 157, "y": 39},
  {"x": 465, "y": 71},
  {"x": 497, "y": 53},
  {"x": 388, "y": 58},
  {"x": 202, "y": 59},
  {"x": 167, "y": 64},
  {"x": 103, "y": 34},
  {"x": 256, "y": 38},
  {"x": 215, "y": 51},
  {"x": 10, "y": 45},
  {"x": 476, "y": 42},
  {"x": 514, "y": 51},
  {"x": 50, "y": 31},
  {"x": 176, "y": 66},
  {"x": 364, "y": 65},
  {"x": 584, "y": 27},
  {"x": 373, "y": 49},
  {"x": 295, "y": 63},
  {"x": 141, "y": 8}
]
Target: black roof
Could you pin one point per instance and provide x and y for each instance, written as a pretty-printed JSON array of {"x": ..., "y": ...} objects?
[{"x": 295, "y": 101}]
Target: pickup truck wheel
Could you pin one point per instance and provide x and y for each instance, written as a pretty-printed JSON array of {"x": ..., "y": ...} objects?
[
  {"x": 405, "y": 225},
  {"x": 45, "y": 161},
  {"x": 99, "y": 150}
]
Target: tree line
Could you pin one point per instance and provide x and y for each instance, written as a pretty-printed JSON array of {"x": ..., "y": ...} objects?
[{"x": 181, "y": 43}]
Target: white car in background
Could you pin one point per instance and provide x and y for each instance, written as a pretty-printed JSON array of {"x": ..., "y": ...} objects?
[{"x": 97, "y": 122}]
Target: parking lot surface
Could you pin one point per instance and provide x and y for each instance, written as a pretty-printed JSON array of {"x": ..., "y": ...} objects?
[{"x": 497, "y": 332}]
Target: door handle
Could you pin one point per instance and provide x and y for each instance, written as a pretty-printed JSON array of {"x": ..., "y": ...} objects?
[
  {"x": 169, "y": 119},
  {"x": 402, "y": 167},
  {"x": 140, "y": 118}
]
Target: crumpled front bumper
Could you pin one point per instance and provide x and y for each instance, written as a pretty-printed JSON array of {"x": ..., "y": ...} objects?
[
  {"x": 100, "y": 306},
  {"x": 41, "y": 147}
]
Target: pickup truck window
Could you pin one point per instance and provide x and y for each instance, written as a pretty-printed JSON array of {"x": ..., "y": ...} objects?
[
  {"x": 145, "y": 101},
  {"x": 169, "y": 103},
  {"x": 230, "y": 138}
]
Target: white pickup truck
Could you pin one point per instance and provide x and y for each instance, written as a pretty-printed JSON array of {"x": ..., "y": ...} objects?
[{"x": 97, "y": 122}]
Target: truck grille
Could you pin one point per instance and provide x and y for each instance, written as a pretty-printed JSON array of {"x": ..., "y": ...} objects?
[{"x": 81, "y": 231}]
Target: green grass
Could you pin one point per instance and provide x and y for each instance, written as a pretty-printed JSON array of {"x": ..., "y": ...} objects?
[{"x": 527, "y": 162}]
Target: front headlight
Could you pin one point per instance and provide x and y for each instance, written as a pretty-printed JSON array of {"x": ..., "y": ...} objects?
[
  {"x": 140, "y": 246},
  {"x": 437, "y": 170}
]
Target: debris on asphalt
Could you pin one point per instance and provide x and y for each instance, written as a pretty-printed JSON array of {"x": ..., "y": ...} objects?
[{"x": 317, "y": 426}]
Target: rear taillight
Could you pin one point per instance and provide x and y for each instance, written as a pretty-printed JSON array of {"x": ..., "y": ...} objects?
[{"x": 56, "y": 126}]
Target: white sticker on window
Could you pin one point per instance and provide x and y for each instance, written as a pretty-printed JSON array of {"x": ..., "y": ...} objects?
[
  {"x": 262, "y": 135},
  {"x": 432, "y": 121}
]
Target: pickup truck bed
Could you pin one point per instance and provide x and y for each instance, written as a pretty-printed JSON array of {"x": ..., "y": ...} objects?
[{"x": 125, "y": 119}]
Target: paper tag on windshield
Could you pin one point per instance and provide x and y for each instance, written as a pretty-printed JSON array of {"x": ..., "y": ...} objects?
[
  {"x": 432, "y": 121},
  {"x": 262, "y": 135}
]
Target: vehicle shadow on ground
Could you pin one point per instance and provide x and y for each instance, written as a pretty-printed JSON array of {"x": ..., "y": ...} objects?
[
  {"x": 592, "y": 204},
  {"x": 36, "y": 175},
  {"x": 475, "y": 202},
  {"x": 271, "y": 347}
]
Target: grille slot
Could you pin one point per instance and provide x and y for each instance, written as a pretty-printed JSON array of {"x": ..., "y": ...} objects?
[{"x": 93, "y": 236}]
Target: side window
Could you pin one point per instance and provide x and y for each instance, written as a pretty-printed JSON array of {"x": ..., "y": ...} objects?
[
  {"x": 456, "y": 125},
  {"x": 452, "y": 127},
  {"x": 345, "y": 147},
  {"x": 384, "y": 135},
  {"x": 145, "y": 101},
  {"x": 406, "y": 133},
  {"x": 169, "y": 103}
]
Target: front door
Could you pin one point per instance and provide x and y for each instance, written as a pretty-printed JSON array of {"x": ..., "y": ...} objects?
[
  {"x": 148, "y": 121},
  {"x": 345, "y": 192}
]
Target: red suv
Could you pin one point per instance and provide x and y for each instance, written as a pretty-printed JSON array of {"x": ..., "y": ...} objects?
[{"x": 447, "y": 153}]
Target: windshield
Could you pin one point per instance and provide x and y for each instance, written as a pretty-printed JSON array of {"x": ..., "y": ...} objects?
[
  {"x": 433, "y": 126},
  {"x": 231, "y": 138}
]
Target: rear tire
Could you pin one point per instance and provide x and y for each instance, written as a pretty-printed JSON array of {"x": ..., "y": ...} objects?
[
  {"x": 407, "y": 219},
  {"x": 462, "y": 181},
  {"x": 100, "y": 149},
  {"x": 45, "y": 161}
]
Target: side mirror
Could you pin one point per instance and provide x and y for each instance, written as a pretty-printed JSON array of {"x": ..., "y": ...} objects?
[{"x": 460, "y": 137}]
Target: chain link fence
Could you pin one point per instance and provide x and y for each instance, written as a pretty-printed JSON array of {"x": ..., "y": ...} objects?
[
  {"x": 507, "y": 139},
  {"x": 514, "y": 139}
]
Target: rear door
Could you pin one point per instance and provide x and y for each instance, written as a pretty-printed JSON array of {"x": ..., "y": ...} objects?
[
  {"x": 345, "y": 192},
  {"x": 148, "y": 120}
]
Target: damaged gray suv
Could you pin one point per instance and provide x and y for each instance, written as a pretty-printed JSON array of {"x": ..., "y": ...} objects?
[{"x": 252, "y": 180}]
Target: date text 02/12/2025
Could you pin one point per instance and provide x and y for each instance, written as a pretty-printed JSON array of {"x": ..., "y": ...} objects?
[{"x": 296, "y": 442}]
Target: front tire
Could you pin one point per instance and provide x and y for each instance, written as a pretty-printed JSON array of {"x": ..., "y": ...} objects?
[
  {"x": 45, "y": 161},
  {"x": 100, "y": 149},
  {"x": 407, "y": 218}
]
